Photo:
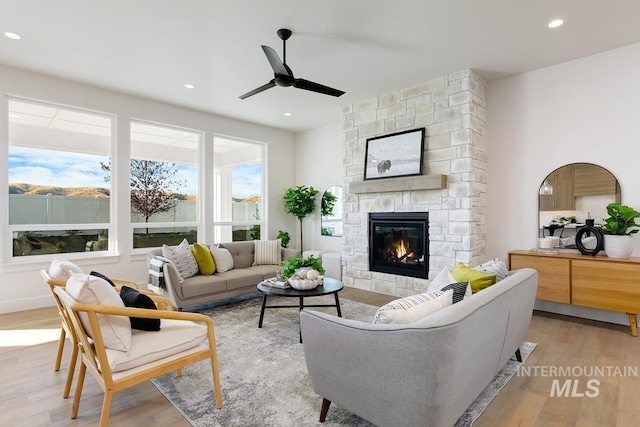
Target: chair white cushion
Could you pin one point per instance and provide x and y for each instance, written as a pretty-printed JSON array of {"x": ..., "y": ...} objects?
[
  {"x": 61, "y": 269},
  {"x": 413, "y": 308},
  {"x": 88, "y": 289},
  {"x": 268, "y": 252},
  {"x": 182, "y": 257},
  {"x": 175, "y": 336},
  {"x": 222, "y": 257}
]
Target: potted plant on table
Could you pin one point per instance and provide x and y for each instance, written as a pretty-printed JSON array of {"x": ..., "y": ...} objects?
[
  {"x": 618, "y": 241},
  {"x": 303, "y": 273}
]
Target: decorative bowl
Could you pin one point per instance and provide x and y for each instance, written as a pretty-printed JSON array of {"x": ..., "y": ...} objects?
[{"x": 305, "y": 284}]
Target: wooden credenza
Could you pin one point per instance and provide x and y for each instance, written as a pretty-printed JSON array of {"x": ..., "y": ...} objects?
[{"x": 597, "y": 282}]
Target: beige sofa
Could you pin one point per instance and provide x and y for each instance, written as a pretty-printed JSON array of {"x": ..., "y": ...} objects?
[
  {"x": 241, "y": 280},
  {"x": 424, "y": 373}
]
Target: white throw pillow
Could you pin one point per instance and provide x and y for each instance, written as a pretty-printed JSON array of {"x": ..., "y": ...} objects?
[
  {"x": 223, "y": 258},
  {"x": 413, "y": 308},
  {"x": 268, "y": 252},
  {"x": 183, "y": 258},
  {"x": 445, "y": 281},
  {"x": 61, "y": 269},
  {"x": 494, "y": 266},
  {"x": 88, "y": 289}
]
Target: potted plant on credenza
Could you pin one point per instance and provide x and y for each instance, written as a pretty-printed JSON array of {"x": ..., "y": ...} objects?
[{"x": 618, "y": 238}]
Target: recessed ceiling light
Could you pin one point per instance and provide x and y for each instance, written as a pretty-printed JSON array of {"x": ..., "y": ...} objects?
[
  {"x": 555, "y": 23},
  {"x": 13, "y": 36},
  {"x": 189, "y": 86},
  {"x": 288, "y": 114}
]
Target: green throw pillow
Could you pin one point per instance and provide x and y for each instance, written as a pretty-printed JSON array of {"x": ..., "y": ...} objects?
[
  {"x": 202, "y": 254},
  {"x": 477, "y": 280}
]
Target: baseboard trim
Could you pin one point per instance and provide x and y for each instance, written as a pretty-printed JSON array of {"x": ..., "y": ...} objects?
[{"x": 13, "y": 306}]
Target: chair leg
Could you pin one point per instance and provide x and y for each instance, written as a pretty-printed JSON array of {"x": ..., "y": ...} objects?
[
  {"x": 518, "y": 355},
  {"x": 72, "y": 368},
  {"x": 106, "y": 408},
  {"x": 178, "y": 372},
  {"x": 216, "y": 380},
  {"x": 63, "y": 335},
  {"x": 79, "y": 384},
  {"x": 324, "y": 409}
]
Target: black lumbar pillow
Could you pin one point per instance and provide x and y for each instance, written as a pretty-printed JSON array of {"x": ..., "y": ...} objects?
[
  {"x": 102, "y": 276},
  {"x": 132, "y": 298}
]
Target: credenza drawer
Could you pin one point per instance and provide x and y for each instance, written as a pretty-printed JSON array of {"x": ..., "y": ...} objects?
[
  {"x": 607, "y": 285},
  {"x": 554, "y": 280}
]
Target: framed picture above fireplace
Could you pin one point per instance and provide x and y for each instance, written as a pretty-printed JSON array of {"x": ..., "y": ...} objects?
[{"x": 397, "y": 154}]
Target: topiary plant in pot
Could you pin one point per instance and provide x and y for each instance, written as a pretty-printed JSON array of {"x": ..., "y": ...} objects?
[
  {"x": 618, "y": 242},
  {"x": 300, "y": 201}
]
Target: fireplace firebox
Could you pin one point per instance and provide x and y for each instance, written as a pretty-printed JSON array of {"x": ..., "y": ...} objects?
[{"x": 399, "y": 243}]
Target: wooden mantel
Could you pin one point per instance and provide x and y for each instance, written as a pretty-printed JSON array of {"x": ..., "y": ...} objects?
[{"x": 403, "y": 183}]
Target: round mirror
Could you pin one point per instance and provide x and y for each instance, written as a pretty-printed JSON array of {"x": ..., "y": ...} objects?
[
  {"x": 331, "y": 208},
  {"x": 569, "y": 196}
]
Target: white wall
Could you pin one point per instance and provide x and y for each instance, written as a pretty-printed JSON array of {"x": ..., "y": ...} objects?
[
  {"x": 21, "y": 286},
  {"x": 580, "y": 111},
  {"x": 318, "y": 164}
]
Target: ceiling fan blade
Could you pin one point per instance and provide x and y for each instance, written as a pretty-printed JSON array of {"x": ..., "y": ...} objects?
[
  {"x": 269, "y": 85},
  {"x": 316, "y": 87},
  {"x": 274, "y": 60}
]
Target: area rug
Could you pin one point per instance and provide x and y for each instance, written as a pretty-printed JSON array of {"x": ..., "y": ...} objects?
[{"x": 264, "y": 376}]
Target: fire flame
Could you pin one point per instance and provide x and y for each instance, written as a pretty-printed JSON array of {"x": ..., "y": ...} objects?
[{"x": 402, "y": 250}]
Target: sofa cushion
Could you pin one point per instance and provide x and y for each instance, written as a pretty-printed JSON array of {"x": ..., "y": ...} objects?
[
  {"x": 477, "y": 280},
  {"x": 266, "y": 271},
  {"x": 176, "y": 336},
  {"x": 183, "y": 258},
  {"x": 61, "y": 269},
  {"x": 267, "y": 252},
  {"x": 241, "y": 278},
  {"x": 102, "y": 276},
  {"x": 445, "y": 281},
  {"x": 242, "y": 253},
  {"x": 413, "y": 308},
  {"x": 87, "y": 289},
  {"x": 494, "y": 266},
  {"x": 133, "y": 298},
  {"x": 204, "y": 259},
  {"x": 198, "y": 285},
  {"x": 222, "y": 257}
]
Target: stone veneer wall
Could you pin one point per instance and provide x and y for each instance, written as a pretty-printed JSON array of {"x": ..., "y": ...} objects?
[{"x": 452, "y": 109}]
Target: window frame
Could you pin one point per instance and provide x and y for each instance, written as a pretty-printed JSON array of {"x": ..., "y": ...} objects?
[
  {"x": 262, "y": 222},
  {"x": 7, "y": 249},
  {"x": 197, "y": 224}
]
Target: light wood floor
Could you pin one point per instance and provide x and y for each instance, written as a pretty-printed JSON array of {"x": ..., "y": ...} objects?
[{"x": 31, "y": 392}]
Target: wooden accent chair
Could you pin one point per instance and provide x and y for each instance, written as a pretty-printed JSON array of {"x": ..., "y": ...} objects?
[
  {"x": 180, "y": 342},
  {"x": 65, "y": 327}
]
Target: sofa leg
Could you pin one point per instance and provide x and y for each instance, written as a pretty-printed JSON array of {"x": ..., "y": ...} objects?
[
  {"x": 324, "y": 409},
  {"x": 518, "y": 355}
]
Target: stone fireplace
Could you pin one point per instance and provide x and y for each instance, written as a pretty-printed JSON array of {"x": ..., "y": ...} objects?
[{"x": 452, "y": 110}]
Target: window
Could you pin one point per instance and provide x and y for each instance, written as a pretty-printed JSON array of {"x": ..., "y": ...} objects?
[
  {"x": 164, "y": 184},
  {"x": 58, "y": 197},
  {"x": 238, "y": 201}
]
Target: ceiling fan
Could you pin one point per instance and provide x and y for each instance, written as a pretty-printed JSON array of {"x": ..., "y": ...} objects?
[{"x": 283, "y": 76}]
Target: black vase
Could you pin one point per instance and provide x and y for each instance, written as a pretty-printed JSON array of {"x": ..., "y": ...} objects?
[{"x": 589, "y": 230}]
